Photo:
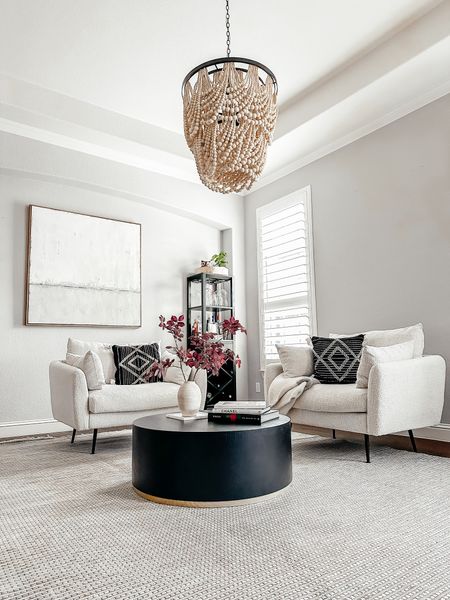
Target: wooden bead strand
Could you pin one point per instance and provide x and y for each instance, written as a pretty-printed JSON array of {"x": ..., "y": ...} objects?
[{"x": 229, "y": 118}]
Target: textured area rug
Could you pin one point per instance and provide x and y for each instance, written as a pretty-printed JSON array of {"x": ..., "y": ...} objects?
[{"x": 72, "y": 528}]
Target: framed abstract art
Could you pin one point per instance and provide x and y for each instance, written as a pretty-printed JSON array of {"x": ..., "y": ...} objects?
[{"x": 82, "y": 270}]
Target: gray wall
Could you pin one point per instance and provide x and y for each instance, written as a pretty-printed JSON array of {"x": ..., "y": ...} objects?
[
  {"x": 171, "y": 248},
  {"x": 381, "y": 223},
  {"x": 182, "y": 223}
]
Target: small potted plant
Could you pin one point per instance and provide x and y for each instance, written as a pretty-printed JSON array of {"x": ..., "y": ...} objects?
[
  {"x": 206, "y": 351},
  {"x": 219, "y": 263}
]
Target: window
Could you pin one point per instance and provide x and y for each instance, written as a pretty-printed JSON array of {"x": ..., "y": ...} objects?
[{"x": 286, "y": 273}]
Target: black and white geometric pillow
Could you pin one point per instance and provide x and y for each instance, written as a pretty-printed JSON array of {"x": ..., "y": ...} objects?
[
  {"x": 133, "y": 361},
  {"x": 336, "y": 360}
]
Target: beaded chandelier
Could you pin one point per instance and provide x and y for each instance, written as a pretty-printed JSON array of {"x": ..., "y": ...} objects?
[{"x": 229, "y": 117}]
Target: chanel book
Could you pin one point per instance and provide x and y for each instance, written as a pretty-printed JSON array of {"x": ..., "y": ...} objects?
[
  {"x": 241, "y": 411},
  {"x": 246, "y": 407}
]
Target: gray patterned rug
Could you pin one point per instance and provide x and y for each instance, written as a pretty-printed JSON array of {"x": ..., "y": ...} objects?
[{"x": 72, "y": 528}]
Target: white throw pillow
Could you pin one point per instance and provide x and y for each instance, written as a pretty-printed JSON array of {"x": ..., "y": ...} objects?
[
  {"x": 296, "y": 361},
  {"x": 389, "y": 337},
  {"x": 91, "y": 366},
  {"x": 372, "y": 355},
  {"x": 173, "y": 373},
  {"x": 104, "y": 352}
]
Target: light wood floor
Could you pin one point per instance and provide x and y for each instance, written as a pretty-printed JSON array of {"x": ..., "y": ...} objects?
[{"x": 434, "y": 447}]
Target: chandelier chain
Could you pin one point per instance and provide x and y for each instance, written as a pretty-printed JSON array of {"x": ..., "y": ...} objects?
[{"x": 227, "y": 20}]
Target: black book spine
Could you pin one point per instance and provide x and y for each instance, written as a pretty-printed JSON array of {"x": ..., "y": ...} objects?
[{"x": 234, "y": 419}]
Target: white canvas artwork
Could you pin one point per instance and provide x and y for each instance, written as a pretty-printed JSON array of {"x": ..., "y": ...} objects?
[{"x": 83, "y": 270}]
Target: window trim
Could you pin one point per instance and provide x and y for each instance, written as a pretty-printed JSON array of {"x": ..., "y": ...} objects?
[{"x": 267, "y": 210}]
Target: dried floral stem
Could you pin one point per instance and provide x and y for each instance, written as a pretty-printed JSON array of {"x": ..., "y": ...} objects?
[{"x": 205, "y": 351}]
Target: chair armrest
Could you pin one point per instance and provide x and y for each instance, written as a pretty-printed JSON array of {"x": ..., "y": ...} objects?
[
  {"x": 69, "y": 395},
  {"x": 405, "y": 394},
  {"x": 271, "y": 371}
]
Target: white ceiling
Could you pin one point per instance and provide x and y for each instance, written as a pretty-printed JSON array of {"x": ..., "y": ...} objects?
[
  {"x": 103, "y": 77},
  {"x": 130, "y": 57}
]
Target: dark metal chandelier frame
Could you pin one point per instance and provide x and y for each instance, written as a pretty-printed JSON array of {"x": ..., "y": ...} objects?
[{"x": 219, "y": 62}]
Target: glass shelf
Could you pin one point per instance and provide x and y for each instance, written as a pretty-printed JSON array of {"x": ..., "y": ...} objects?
[
  {"x": 211, "y": 307},
  {"x": 213, "y": 294}
]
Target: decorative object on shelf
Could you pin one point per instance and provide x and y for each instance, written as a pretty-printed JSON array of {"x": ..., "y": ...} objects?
[
  {"x": 195, "y": 328},
  {"x": 79, "y": 272},
  {"x": 205, "y": 267},
  {"x": 216, "y": 265},
  {"x": 205, "y": 352},
  {"x": 219, "y": 262},
  {"x": 229, "y": 117}
]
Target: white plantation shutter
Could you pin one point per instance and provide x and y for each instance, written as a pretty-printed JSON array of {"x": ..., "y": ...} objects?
[{"x": 286, "y": 274}]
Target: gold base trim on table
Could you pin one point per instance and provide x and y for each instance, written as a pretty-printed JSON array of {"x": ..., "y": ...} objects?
[{"x": 215, "y": 504}]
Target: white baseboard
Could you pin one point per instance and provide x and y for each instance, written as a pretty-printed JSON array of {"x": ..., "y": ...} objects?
[
  {"x": 26, "y": 428},
  {"x": 440, "y": 432}
]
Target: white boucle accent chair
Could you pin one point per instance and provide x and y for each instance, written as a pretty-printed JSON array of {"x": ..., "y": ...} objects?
[
  {"x": 401, "y": 396},
  {"x": 112, "y": 405}
]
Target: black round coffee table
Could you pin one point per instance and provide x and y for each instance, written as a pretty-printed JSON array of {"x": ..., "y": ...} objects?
[{"x": 196, "y": 463}]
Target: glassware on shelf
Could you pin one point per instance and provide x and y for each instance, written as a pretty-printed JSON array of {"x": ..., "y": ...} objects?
[
  {"x": 195, "y": 293},
  {"x": 213, "y": 327},
  {"x": 221, "y": 297}
]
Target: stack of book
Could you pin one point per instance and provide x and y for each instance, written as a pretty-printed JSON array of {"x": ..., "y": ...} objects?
[{"x": 242, "y": 413}]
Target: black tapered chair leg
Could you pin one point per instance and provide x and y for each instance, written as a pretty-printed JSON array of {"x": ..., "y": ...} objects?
[
  {"x": 413, "y": 441},
  {"x": 367, "y": 445},
  {"x": 94, "y": 441},
  {"x": 73, "y": 436},
  {"x": 334, "y": 434}
]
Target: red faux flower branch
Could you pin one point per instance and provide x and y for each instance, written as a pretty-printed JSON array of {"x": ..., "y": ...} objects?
[{"x": 206, "y": 350}]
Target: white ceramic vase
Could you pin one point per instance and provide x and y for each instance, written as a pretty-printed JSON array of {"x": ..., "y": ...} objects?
[{"x": 189, "y": 398}]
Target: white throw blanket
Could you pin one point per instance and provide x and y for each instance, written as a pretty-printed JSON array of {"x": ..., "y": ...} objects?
[{"x": 285, "y": 391}]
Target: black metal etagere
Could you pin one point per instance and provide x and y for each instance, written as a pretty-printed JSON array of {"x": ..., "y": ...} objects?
[{"x": 209, "y": 303}]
